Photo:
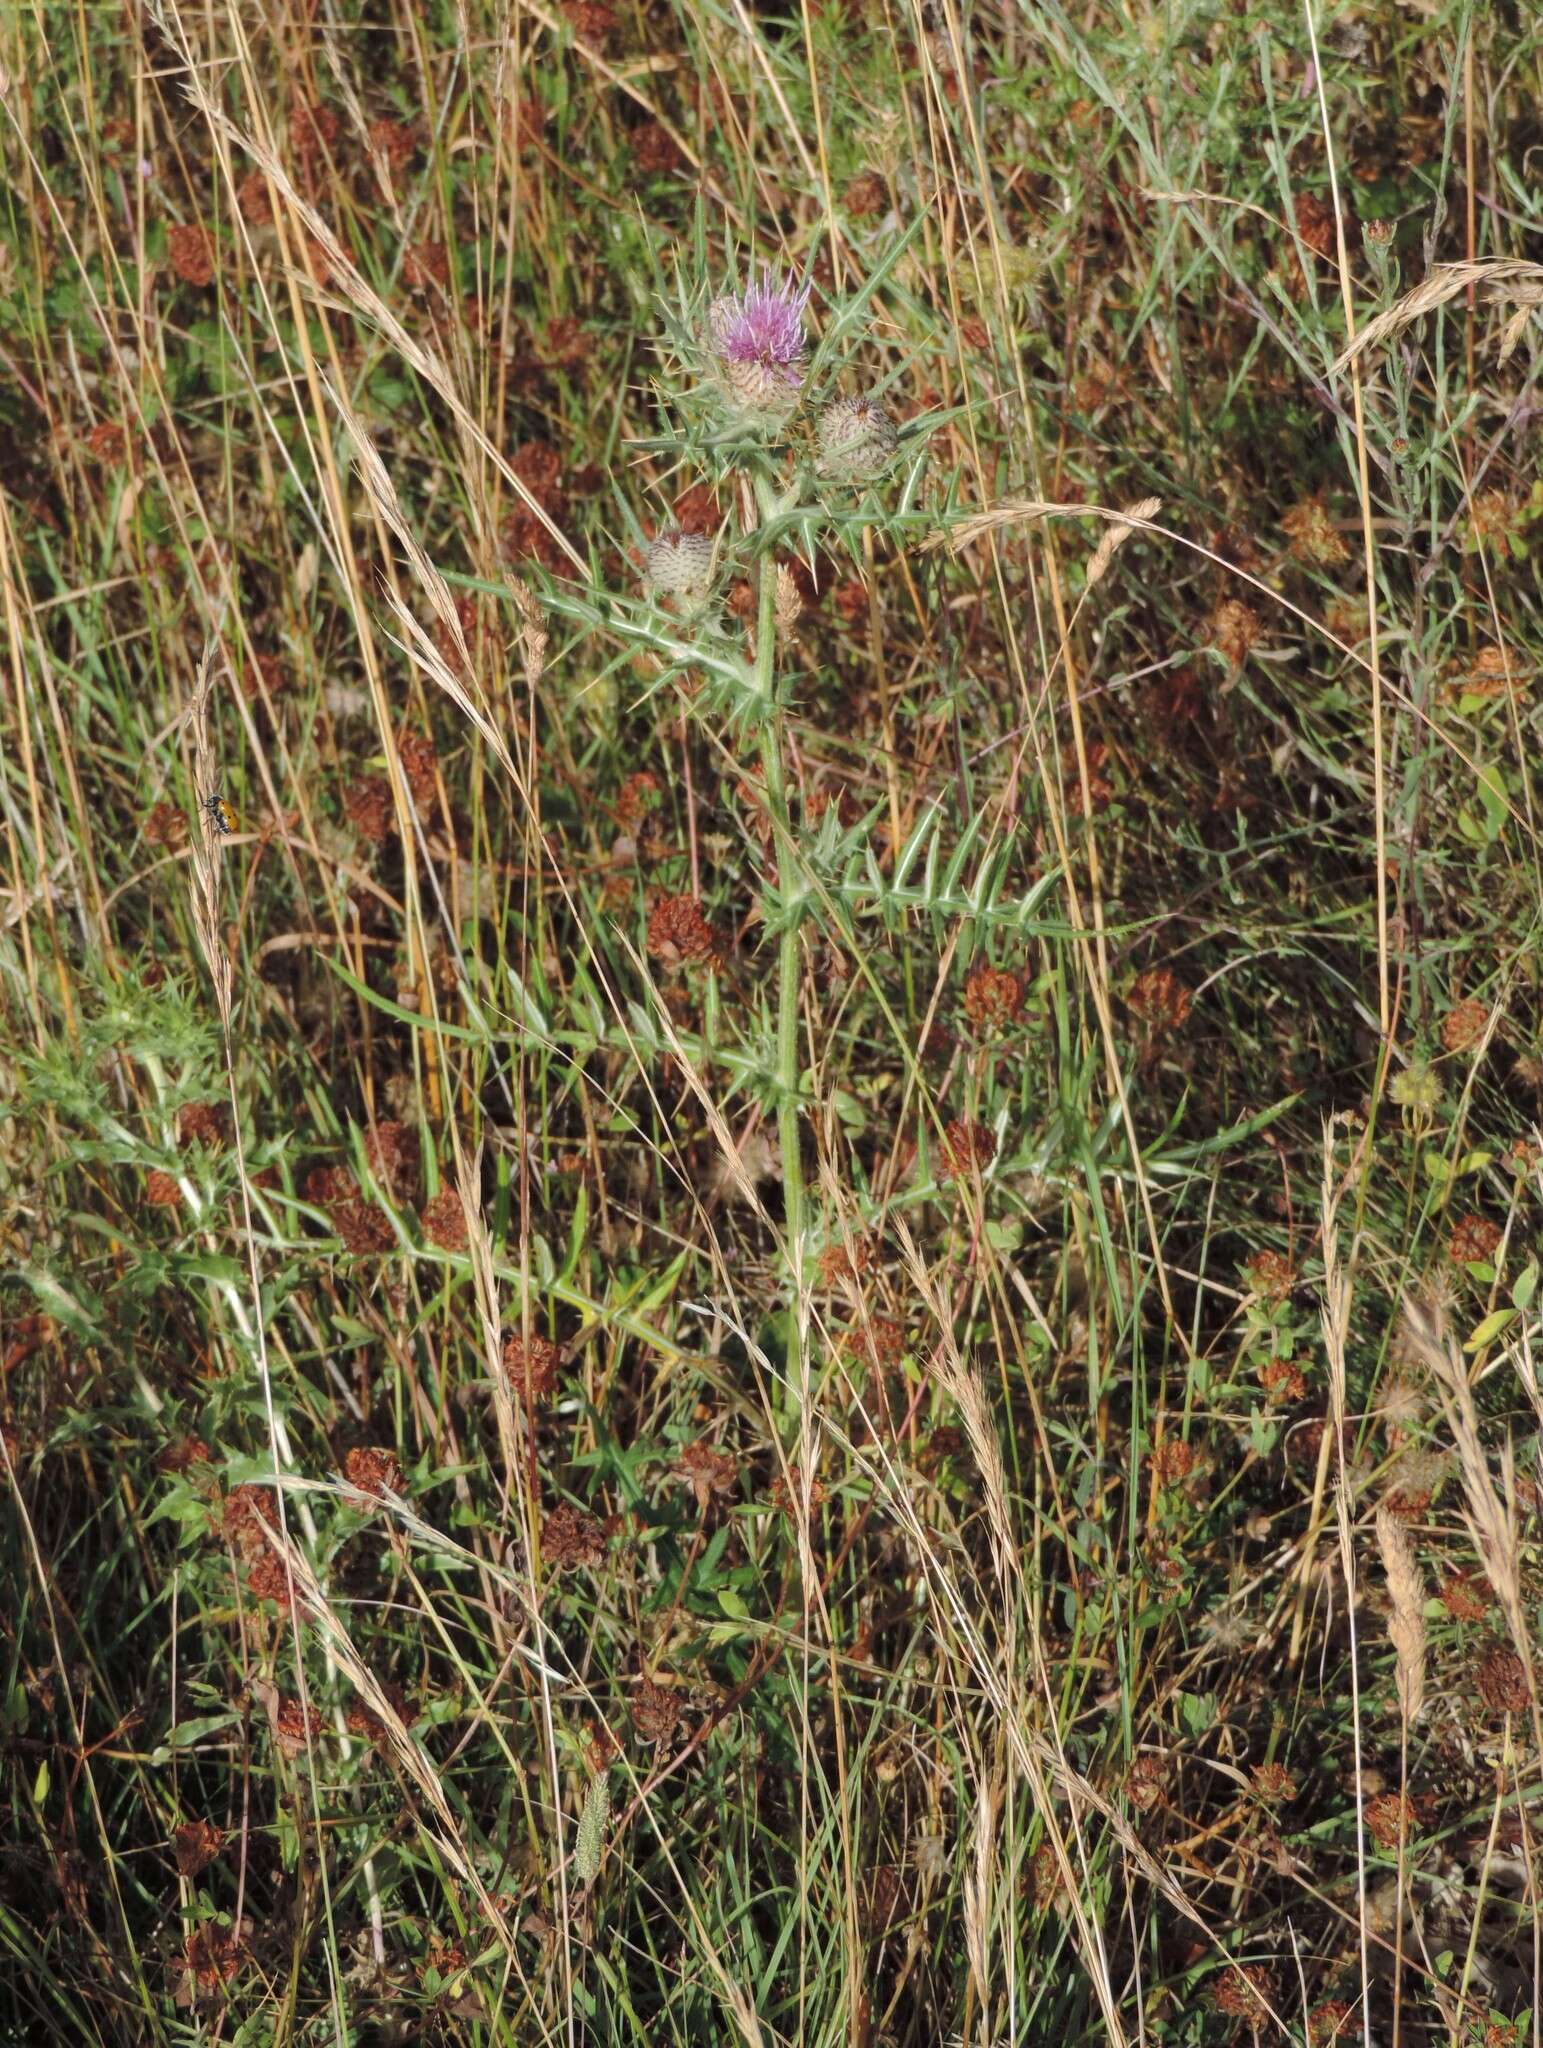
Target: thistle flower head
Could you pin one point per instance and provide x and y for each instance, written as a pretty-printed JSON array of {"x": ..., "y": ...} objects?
[
  {"x": 857, "y": 440},
  {"x": 758, "y": 344},
  {"x": 679, "y": 565}
]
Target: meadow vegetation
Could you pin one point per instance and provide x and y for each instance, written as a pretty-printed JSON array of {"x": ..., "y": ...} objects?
[{"x": 772, "y": 1049}]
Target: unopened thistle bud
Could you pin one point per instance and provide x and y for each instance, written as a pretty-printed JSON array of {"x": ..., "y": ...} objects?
[
  {"x": 680, "y": 565},
  {"x": 858, "y": 440},
  {"x": 757, "y": 339}
]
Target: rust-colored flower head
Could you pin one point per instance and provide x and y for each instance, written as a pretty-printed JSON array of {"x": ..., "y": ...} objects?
[
  {"x": 369, "y": 1727},
  {"x": 601, "y": 1747},
  {"x": 242, "y": 1518},
  {"x": 656, "y": 1710},
  {"x": 1501, "y": 1678},
  {"x": 1173, "y": 1460},
  {"x": 196, "y": 1844},
  {"x": 1159, "y": 1001},
  {"x": 1270, "y": 1275},
  {"x": 201, "y": 1123},
  {"x": 313, "y": 133},
  {"x": 444, "y": 1221},
  {"x": 846, "y": 1263},
  {"x": 1493, "y": 672},
  {"x": 426, "y": 267},
  {"x": 1524, "y": 1157},
  {"x": 531, "y": 1365},
  {"x": 1329, "y": 2022},
  {"x": 1314, "y": 537},
  {"x": 638, "y": 797},
  {"x": 396, "y": 141},
  {"x": 678, "y": 932},
  {"x": 1413, "y": 1481},
  {"x": 253, "y": 199},
  {"x": 1474, "y": 1241},
  {"x": 967, "y": 1149},
  {"x": 445, "y": 1957},
  {"x": 316, "y": 262},
  {"x": 993, "y": 997},
  {"x": 372, "y": 1471},
  {"x": 787, "y": 1493},
  {"x": 1144, "y": 1782},
  {"x": 393, "y": 1151},
  {"x": 420, "y": 765},
  {"x": 1315, "y": 223},
  {"x": 865, "y": 196},
  {"x": 655, "y": 150},
  {"x": 292, "y": 1724},
  {"x": 1045, "y": 1880},
  {"x": 879, "y": 1340},
  {"x": 1274, "y": 1784},
  {"x": 1464, "y": 1025},
  {"x": 107, "y": 443},
  {"x": 1464, "y": 1596},
  {"x": 1234, "y": 629},
  {"x": 696, "y": 510},
  {"x": 368, "y": 808},
  {"x": 210, "y": 1959},
  {"x": 161, "y": 1190},
  {"x": 1282, "y": 1381},
  {"x": 268, "y": 1578},
  {"x": 1244, "y": 1991},
  {"x": 706, "y": 1471},
  {"x": 363, "y": 1227},
  {"x": 183, "y": 1454},
  {"x": 851, "y": 599},
  {"x": 1388, "y": 1816},
  {"x": 191, "y": 250},
  {"x": 166, "y": 825},
  {"x": 592, "y": 21},
  {"x": 569, "y": 1538}
]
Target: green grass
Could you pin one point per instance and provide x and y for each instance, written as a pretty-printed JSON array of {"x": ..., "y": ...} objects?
[{"x": 807, "y": 1318}]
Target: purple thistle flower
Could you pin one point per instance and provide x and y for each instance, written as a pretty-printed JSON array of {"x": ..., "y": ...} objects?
[{"x": 758, "y": 338}]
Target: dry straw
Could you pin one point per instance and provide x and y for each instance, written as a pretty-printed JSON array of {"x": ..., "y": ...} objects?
[{"x": 1406, "y": 1626}]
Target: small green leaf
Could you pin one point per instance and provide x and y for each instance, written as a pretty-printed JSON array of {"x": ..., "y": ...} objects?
[
  {"x": 1490, "y": 1329},
  {"x": 1526, "y": 1286}
]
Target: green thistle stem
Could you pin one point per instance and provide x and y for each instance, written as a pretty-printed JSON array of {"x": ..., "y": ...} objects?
[{"x": 788, "y": 964}]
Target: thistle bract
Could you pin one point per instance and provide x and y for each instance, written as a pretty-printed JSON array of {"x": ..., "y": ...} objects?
[
  {"x": 680, "y": 565},
  {"x": 757, "y": 341},
  {"x": 857, "y": 440}
]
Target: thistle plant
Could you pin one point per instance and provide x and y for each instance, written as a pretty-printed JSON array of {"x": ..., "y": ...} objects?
[{"x": 756, "y": 411}]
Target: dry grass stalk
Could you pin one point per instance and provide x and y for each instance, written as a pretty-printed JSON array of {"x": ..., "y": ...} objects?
[
  {"x": 1020, "y": 511},
  {"x": 1116, "y": 537},
  {"x": 364, "y": 299},
  {"x": 1337, "y": 1297},
  {"x": 1521, "y": 284},
  {"x": 1490, "y": 1510},
  {"x": 1406, "y": 1627}
]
